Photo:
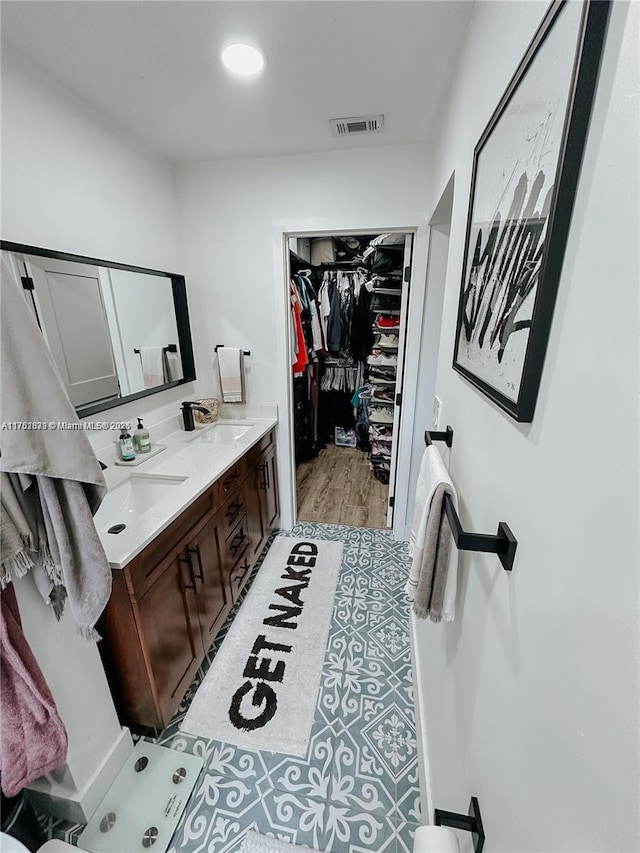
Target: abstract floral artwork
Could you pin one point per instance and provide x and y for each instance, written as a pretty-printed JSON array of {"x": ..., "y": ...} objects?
[{"x": 525, "y": 174}]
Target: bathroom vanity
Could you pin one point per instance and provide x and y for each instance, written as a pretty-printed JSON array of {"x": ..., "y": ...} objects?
[{"x": 171, "y": 598}]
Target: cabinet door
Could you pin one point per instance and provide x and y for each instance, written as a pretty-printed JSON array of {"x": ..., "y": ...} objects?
[
  {"x": 170, "y": 634},
  {"x": 268, "y": 485},
  {"x": 212, "y": 601},
  {"x": 257, "y": 529}
]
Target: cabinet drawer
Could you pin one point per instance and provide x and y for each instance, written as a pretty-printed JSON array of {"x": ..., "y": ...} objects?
[
  {"x": 266, "y": 443},
  {"x": 145, "y": 569},
  {"x": 232, "y": 511},
  {"x": 235, "y": 545},
  {"x": 239, "y": 574},
  {"x": 230, "y": 480}
]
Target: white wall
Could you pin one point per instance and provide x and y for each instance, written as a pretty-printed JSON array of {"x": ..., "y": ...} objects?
[
  {"x": 230, "y": 214},
  {"x": 73, "y": 183},
  {"x": 531, "y": 696},
  {"x": 227, "y": 210}
]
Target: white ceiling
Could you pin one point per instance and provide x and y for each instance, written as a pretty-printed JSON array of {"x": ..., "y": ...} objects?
[{"x": 154, "y": 68}]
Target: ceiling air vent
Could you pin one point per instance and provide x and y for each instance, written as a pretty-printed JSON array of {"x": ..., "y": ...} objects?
[{"x": 356, "y": 124}]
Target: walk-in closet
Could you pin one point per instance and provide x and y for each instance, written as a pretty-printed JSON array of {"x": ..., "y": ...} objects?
[{"x": 349, "y": 298}]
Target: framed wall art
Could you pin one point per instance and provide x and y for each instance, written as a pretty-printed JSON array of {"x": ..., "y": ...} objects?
[{"x": 525, "y": 174}]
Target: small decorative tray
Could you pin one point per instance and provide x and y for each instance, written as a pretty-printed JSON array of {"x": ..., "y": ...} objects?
[{"x": 142, "y": 457}]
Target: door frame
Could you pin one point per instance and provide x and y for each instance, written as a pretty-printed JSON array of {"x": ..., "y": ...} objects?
[{"x": 280, "y": 232}]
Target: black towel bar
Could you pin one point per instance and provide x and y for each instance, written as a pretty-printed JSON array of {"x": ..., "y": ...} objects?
[
  {"x": 168, "y": 348},
  {"x": 246, "y": 351},
  {"x": 469, "y": 823},
  {"x": 503, "y": 544}
]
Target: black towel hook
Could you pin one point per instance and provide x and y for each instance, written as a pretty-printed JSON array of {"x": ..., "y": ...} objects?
[{"x": 504, "y": 543}]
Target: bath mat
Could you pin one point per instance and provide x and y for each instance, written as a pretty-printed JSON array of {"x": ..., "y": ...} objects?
[
  {"x": 261, "y": 689},
  {"x": 253, "y": 842},
  {"x": 143, "y": 806}
]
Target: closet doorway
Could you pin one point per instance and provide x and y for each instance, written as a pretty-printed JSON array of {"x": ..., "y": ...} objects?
[{"x": 349, "y": 299}]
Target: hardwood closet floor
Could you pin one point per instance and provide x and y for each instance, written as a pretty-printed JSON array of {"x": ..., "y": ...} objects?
[{"x": 339, "y": 488}]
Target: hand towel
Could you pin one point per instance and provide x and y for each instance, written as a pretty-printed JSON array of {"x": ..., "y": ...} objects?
[
  {"x": 230, "y": 368},
  {"x": 152, "y": 359},
  {"x": 32, "y": 393},
  {"x": 21, "y": 503},
  {"x": 33, "y": 740},
  {"x": 172, "y": 364},
  {"x": 432, "y": 581}
]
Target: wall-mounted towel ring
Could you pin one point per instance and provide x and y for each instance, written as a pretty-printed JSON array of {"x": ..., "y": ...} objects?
[
  {"x": 504, "y": 543},
  {"x": 219, "y": 346}
]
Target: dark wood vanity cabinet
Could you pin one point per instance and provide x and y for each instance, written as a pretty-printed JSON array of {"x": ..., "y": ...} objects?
[
  {"x": 169, "y": 602},
  {"x": 268, "y": 486}
]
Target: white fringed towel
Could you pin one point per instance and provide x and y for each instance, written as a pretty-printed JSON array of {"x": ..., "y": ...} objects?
[
  {"x": 432, "y": 581},
  {"x": 172, "y": 364},
  {"x": 230, "y": 368},
  {"x": 152, "y": 359}
]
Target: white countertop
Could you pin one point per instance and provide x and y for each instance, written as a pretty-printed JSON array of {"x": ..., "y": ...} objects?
[{"x": 201, "y": 463}]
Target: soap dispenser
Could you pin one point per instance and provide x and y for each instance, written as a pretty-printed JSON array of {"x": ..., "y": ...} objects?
[
  {"x": 141, "y": 438},
  {"x": 127, "y": 453}
]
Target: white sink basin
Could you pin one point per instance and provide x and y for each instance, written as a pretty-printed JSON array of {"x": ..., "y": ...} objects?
[
  {"x": 131, "y": 499},
  {"x": 222, "y": 433}
]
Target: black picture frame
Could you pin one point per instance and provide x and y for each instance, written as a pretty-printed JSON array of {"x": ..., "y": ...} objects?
[{"x": 513, "y": 262}]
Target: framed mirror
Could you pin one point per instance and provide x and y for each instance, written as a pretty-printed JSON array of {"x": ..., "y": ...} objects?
[{"x": 116, "y": 332}]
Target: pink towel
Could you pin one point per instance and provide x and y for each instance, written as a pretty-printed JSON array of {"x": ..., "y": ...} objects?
[{"x": 33, "y": 739}]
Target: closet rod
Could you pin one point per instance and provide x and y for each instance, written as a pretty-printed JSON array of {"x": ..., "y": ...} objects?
[
  {"x": 503, "y": 544},
  {"x": 219, "y": 346},
  {"x": 168, "y": 348}
]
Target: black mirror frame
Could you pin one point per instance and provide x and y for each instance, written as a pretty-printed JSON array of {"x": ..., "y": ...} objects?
[{"x": 179, "y": 289}]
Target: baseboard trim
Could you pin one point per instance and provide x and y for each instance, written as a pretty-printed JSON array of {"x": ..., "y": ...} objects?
[
  {"x": 424, "y": 775},
  {"x": 52, "y": 798}
]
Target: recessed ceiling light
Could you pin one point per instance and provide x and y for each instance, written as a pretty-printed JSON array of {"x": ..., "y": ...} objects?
[{"x": 243, "y": 59}]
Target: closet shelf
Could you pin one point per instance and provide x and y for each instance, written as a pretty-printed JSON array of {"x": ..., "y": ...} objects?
[{"x": 387, "y": 291}]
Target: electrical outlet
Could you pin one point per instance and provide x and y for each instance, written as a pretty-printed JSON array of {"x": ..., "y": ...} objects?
[{"x": 435, "y": 420}]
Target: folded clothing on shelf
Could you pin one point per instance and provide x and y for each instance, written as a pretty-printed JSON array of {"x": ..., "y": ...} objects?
[
  {"x": 380, "y": 452},
  {"x": 385, "y": 302},
  {"x": 381, "y": 471},
  {"x": 383, "y": 359},
  {"x": 381, "y": 414},
  {"x": 385, "y": 395},
  {"x": 387, "y": 322},
  {"x": 386, "y": 374},
  {"x": 380, "y": 432},
  {"x": 386, "y": 282},
  {"x": 389, "y": 240},
  {"x": 386, "y": 342},
  {"x": 386, "y": 259}
]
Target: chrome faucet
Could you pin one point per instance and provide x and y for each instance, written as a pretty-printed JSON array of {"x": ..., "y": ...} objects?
[{"x": 187, "y": 414}]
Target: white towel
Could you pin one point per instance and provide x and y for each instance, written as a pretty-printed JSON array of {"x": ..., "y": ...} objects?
[
  {"x": 172, "y": 366},
  {"x": 230, "y": 364},
  {"x": 433, "y": 474},
  {"x": 152, "y": 359}
]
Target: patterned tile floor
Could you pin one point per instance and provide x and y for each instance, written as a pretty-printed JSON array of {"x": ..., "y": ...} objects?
[{"x": 357, "y": 789}]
